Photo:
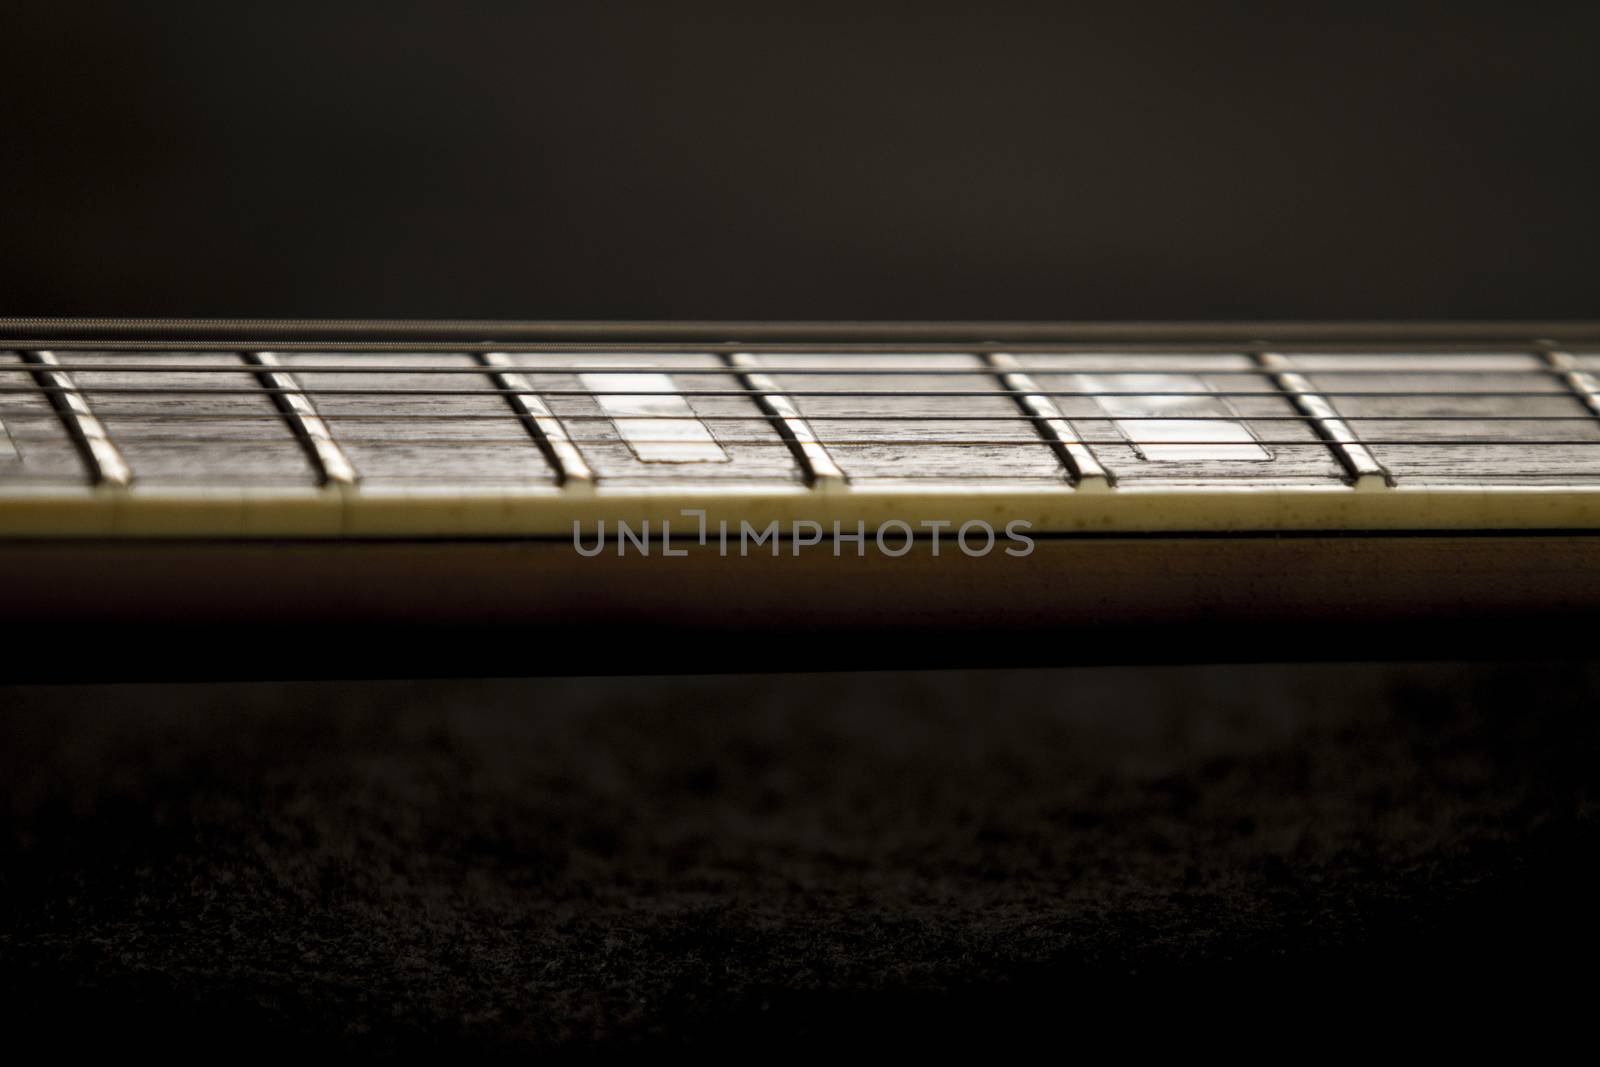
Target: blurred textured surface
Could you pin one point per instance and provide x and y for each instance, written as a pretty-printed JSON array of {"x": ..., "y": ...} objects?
[
  {"x": 505, "y": 865},
  {"x": 612, "y": 160}
]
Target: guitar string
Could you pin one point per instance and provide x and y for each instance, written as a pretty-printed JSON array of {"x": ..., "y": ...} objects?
[
  {"x": 887, "y": 372},
  {"x": 517, "y": 484},
  {"x": 1559, "y": 386},
  {"x": 1461, "y": 346},
  {"x": 134, "y": 439},
  {"x": 408, "y": 415},
  {"x": 861, "y": 394}
]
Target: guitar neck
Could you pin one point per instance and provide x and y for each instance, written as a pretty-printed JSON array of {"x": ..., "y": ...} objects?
[
  {"x": 194, "y": 430},
  {"x": 572, "y": 497}
]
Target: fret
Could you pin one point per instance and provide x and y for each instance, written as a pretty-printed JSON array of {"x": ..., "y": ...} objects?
[
  {"x": 333, "y": 465},
  {"x": 821, "y": 471},
  {"x": 1579, "y": 380},
  {"x": 42, "y": 447},
  {"x": 649, "y": 439},
  {"x": 390, "y": 439},
  {"x": 372, "y": 363},
  {"x": 106, "y": 463},
  {"x": 8, "y": 446},
  {"x": 1165, "y": 418},
  {"x": 1364, "y": 469},
  {"x": 571, "y": 468},
  {"x": 1079, "y": 459},
  {"x": 1505, "y": 402}
]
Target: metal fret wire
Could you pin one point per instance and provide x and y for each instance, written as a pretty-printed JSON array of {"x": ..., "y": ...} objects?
[
  {"x": 333, "y": 466},
  {"x": 790, "y": 423},
  {"x": 103, "y": 460}
]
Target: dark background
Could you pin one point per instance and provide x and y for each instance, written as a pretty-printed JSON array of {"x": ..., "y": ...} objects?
[
  {"x": 760, "y": 862},
  {"x": 1097, "y": 161},
  {"x": 1286, "y": 856}
]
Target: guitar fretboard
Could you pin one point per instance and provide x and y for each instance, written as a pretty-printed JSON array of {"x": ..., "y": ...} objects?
[{"x": 526, "y": 435}]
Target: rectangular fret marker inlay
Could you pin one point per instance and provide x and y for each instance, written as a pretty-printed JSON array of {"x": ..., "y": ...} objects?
[
  {"x": 1209, "y": 434},
  {"x": 657, "y": 424}
]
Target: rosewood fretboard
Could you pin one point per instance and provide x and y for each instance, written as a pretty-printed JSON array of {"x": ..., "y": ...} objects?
[{"x": 240, "y": 428}]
